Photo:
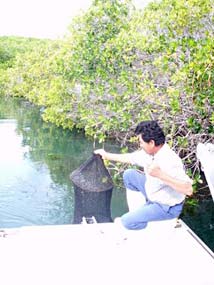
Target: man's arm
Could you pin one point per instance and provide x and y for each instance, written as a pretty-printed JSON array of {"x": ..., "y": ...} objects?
[
  {"x": 123, "y": 157},
  {"x": 184, "y": 187}
]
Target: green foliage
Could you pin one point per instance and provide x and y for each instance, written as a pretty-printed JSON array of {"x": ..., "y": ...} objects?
[
  {"x": 12, "y": 48},
  {"x": 96, "y": 66}
]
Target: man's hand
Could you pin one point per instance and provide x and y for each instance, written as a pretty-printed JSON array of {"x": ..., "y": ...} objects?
[
  {"x": 154, "y": 170},
  {"x": 184, "y": 187},
  {"x": 101, "y": 152}
]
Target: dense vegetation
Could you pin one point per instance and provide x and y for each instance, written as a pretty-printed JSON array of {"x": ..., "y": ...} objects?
[{"x": 119, "y": 65}]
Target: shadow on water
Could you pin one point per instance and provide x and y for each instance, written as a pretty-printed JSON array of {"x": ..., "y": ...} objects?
[
  {"x": 36, "y": 161},
  {"x": 200, "y": 219},
  {"x": 199, "y": 216}
]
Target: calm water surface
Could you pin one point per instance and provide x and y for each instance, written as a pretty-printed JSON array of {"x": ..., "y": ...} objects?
[{"x": 36, "y": 159}]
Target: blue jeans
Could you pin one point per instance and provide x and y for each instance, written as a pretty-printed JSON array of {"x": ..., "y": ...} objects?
[{"x": 150, "y": 211}]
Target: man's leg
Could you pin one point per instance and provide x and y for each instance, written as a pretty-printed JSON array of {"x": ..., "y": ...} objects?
[
  {"x": 140, "y": 215},
  {"x": 134, "y": 182},
  {"x": 139, "y": 218}
]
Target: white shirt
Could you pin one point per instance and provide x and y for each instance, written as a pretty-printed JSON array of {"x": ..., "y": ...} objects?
[{"x": 169, "y": 162}]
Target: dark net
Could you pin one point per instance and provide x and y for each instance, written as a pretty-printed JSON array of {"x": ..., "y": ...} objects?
[{"x": 93, "y": 187}]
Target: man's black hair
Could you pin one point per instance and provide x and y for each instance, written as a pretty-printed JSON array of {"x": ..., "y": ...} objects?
[{"x": 150, "y": 130}]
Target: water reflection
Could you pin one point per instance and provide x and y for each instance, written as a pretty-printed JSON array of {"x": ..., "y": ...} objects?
[
  {"x": 29, "y": 194},
  {"x": 36, "y": 160}
]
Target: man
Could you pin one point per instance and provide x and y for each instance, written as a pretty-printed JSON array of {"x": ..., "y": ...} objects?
[{"x": 163, "y": 183}]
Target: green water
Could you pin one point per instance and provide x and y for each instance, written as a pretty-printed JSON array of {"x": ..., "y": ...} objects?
[{"x": 36, "y": 159}]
